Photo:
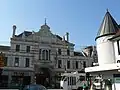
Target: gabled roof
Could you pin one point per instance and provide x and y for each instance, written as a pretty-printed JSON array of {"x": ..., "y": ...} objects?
[
  {"x": 108, "y": 26},
  {"x": 59, "y": 37},
  {"x": 26, "y": 33}
]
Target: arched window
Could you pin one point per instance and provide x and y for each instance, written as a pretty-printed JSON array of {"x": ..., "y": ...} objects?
[
  {"x": 43, "y": 55},
  {"x": 47, "y": 55}
]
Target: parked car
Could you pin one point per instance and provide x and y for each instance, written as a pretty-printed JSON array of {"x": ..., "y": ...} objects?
[{"x": 34, "y": 87}]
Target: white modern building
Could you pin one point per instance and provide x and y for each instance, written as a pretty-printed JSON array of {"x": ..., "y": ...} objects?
[
  {"x": 108, "y": 50},
  {"x": 42, "y": 56}
]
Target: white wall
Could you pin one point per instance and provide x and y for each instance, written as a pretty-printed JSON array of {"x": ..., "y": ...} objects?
[
  {"x": 117, "y": 56},
  {"x": 105, "y": 50}
]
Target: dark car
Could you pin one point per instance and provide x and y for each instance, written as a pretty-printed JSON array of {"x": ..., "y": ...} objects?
[{"x": 34, "y": 87}]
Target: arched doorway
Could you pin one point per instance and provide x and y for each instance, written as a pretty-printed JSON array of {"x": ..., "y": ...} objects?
[{"x": 43, "y": 77}]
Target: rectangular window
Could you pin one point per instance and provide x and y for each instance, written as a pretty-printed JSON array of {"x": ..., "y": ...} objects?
[
  {"x": 28, "y": 49},
  {"x": 39, "y": 54},
  {"x": 68, "y": 52},
  {"x": 59, "y": 64},
  {"x": 27, "y": 62},
  {"x": 118, "y": 46},
  {"x": 49, "y": 54},
  {"x": 17, "y": 48},
  {"x": 5, "y": 61},
  {"x": 59, "y": 51},
  {"x": 68, "y": 64},
  {"x": 84, "y": 64},
  {"x": 16, "y": 63},
  {"x": 76, "y": 64},
  {"x": 71, "y": 80}
]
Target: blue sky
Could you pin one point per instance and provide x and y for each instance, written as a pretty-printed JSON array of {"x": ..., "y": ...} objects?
[{"x": 81, "y": 18}]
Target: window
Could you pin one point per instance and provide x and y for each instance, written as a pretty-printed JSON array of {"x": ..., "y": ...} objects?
[
  {"x": 49, "y": 54},
  {"x": 59, "y": 51},
  {"x": 68, "y": 64},
  {"x": 46, "y": 55},
  {"x": 16, "y": 63},
  {"x": 17, "y": 48},
  {"x": 27, "y": 62},
  {"x": 68, "y": 52},
  {"x": 84, "y": 64},
  {"x": 76, "y": 64},
  {"x": 5, "y": 61},
  {"x": 118, "y": 61},
  {"x": 118, "y": 46},
  {"x": 71, "y": 80},
  {"x": 39, "y": 54},
  {"x": 28, "y": 49},
  {"x": 59, "y": 64},
  {"x": 43, "y": 55}
]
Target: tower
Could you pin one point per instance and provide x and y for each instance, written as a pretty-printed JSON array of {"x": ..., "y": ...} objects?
[{"x": 105, "y": 48}]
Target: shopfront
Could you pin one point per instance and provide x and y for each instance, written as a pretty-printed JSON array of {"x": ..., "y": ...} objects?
[
  {"x": 20, "y": 79},
  {"x": 15, "y": 78}
]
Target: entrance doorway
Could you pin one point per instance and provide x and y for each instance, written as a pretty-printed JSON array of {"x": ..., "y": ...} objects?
[{"x": 43, "y": 77}]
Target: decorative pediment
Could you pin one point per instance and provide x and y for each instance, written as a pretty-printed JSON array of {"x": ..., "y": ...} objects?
[{"x": 45, "y": 32}]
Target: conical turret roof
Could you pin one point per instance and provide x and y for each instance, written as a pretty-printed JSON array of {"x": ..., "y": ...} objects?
[{"x": 108, "y": 26}]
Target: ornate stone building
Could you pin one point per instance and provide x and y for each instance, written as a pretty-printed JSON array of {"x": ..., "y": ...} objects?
[{"x": 42, "y": 56}]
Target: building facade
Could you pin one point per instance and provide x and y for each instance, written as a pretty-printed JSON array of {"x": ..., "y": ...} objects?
[
  {"x": 41, "y": 57},
  {"x": 108, "y": 49}
]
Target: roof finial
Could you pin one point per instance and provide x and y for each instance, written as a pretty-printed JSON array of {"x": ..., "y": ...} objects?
[
  {"x": 45, "y": 22},
  {"x": 107, "y": 10}
]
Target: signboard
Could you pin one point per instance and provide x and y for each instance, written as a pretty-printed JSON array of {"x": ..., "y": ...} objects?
[{"x": 117, "y": 79}]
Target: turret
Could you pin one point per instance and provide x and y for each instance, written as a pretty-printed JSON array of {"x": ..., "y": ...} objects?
[
  {"x": 14, "y": 30},
  {"x": 105, "y": 47}
]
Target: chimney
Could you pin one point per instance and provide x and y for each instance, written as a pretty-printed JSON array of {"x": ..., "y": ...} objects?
[
  {"x": 14, "y": 30},
  {"x": 63, "y": 39},
  {"x": 67, "y": 34}
]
